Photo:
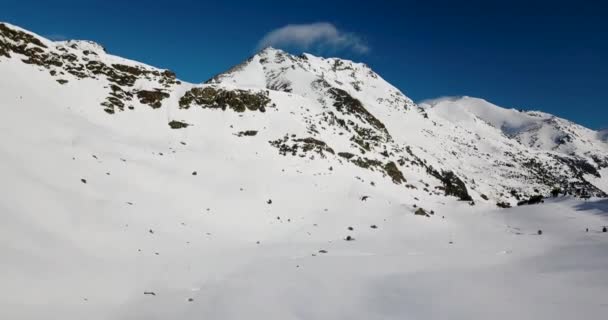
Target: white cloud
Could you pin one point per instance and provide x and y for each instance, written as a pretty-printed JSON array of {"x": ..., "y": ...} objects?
[{"x": 320, "y": 35}]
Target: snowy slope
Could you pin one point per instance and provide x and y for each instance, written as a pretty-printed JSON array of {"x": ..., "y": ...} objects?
[
  {"x": 543, "y": 137},
  {"x": 534, "y": 129},
  {"x": 526, "y": 151},
  {"x": 233, "y": 199}
]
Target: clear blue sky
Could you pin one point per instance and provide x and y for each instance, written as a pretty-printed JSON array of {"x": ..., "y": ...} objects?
[{"x": 543, "y": 55}]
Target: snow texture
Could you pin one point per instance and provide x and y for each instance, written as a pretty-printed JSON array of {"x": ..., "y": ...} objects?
[{"x": 129, "y": 194}]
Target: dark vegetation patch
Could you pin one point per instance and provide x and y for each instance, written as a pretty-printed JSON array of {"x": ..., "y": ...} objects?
[
  {"x": 314, "y": 144},
  {"x": 345, "y": 103},
  {"x": 390, "y": 168},
  {"x": 247, "y": 133},
  {"x": 366, "y": 135},
  {"x": 422, "y": 212},
  {"x": 452, "y": 184},
  {"x": 301, "y": 147},
  {"x": 549, "y": 174},
  {"x": 366, "y": 163},
  {"x": 18, "y": 41},
  {"x": 346, "y": 155},
  {"x": 174, "y": 124},
  {"x": 563, "y": 139},
  {"x": 361, "y": 143},
  {"x": 504, "y": 205},
  {"x": 279, "y": 84},
  {"x": 217, "y": 98},
  {"x": 600, "y": 162},
  {"x": 536, "y": 199},
  {"x": 112, "y": 74},
  {"x": 152, "y": 98},
  {"x": 116, "y": 100},
  {"x": 580, "y": 166},
  {"x": 393, "y": 171},
  {"x": 515, "y": 194}
]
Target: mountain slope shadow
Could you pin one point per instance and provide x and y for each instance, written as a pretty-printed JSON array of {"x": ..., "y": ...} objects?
[{"x": 599, "y": 207}]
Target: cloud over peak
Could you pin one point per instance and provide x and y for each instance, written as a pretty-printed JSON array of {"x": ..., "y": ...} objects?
[{"x": 320, "y": 35}]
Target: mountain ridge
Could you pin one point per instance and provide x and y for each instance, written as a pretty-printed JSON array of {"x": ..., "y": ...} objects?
[{"x": 347, "y": 108}]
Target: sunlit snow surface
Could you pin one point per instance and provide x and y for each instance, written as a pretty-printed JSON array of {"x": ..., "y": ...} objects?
[{"x": 211, "y": 246}]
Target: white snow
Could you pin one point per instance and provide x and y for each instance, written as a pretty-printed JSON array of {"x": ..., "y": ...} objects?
[
  {"x": 534, "y": 129},
  {"x": 143, "y": 222}
]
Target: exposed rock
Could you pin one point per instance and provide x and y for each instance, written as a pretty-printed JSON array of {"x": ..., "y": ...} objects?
[
  {"x": 152, "y": 98},
  {"x": 301, "y": 147},
  {"x": 247, "y": 133},
  {"x": 421, "y": 212},
  {"x": 174, "y": 124},
  {"x": 218, "y": 98},
  {"x": 504, "y": 205},
  {"x": 453, "y": 186},
  {"x": 391, "y": 169}
]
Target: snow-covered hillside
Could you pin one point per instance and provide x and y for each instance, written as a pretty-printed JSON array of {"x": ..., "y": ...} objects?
[
  {"x": 293, "y": 187},
  {"x": 534, "y": 129},
  {"x": 529, "y": 153}
]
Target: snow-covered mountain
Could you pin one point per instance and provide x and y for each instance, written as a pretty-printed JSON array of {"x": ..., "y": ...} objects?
[
  {"x": 343, "y": 112},
  {"x": 119, "y": 176},
  {"x": 527, "y": 152}
]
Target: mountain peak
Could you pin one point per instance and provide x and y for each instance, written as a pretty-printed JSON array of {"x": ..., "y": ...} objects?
[
  {"x": 311, "y": 107},
  {"x": 83, "y": 45},
  {"x": 270, "y": 50},
  {"x": 310, "y": 76}
]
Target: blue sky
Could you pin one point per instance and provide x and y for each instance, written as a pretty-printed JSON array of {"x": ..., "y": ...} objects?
[{"x": 542, "y": 55}]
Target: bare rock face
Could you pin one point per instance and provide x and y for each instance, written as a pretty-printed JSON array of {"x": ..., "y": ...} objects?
[{"x": 218, "y": 98}]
